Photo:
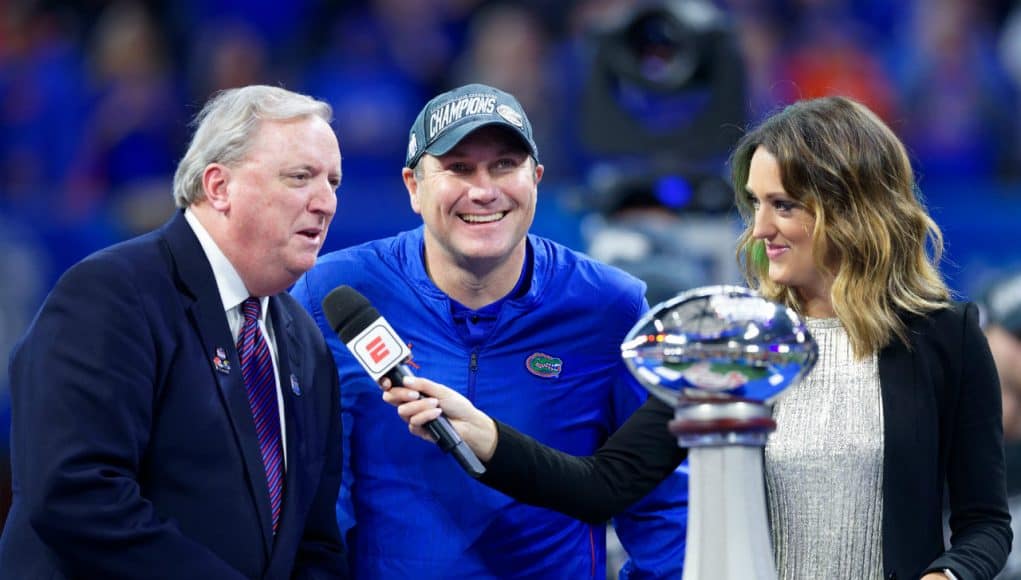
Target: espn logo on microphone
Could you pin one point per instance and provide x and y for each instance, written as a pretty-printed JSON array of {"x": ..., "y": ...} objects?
[{"x": 378, "y": 349}]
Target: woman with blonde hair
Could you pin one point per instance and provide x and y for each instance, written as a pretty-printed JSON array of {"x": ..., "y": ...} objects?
[{"x": 902, "y": 405}]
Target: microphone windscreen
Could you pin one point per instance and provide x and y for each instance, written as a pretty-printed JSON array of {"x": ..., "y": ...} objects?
[{"x": 348, "y": 312}]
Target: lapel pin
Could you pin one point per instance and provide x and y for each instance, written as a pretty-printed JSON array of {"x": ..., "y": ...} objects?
[
  {"x": 220, "y": 361},
  {"x": 295, "y": 387}
]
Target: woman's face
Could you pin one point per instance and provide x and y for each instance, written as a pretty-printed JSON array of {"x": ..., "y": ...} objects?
[{"x": 785, "y": 226}]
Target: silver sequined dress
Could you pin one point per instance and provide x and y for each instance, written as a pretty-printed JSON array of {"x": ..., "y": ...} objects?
[{"x": 824, "y": 466}]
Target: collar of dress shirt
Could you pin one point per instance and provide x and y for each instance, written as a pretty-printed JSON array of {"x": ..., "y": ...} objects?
[{"x": 232, "y": 289}]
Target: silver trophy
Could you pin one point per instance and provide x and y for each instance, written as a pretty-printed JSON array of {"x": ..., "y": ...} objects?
[{"x": 720, "y": 355}]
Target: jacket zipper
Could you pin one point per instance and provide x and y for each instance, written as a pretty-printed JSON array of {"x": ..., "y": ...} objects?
[{"x": 473, "y": 368}]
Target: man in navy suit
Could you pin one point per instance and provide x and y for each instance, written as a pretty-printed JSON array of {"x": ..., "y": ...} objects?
[{"x": 175, "y": 411}]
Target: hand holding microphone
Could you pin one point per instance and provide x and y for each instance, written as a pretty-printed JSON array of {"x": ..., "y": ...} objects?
[
  {"x": 382, "y": 354},
  {"x": 420, "y": 401}
]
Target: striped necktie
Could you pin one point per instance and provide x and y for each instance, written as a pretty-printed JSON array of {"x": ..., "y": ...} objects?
[{"x": 257, "y": 371}]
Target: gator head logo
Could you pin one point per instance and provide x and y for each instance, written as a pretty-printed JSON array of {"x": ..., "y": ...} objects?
[{"x": 544, "y": 365}]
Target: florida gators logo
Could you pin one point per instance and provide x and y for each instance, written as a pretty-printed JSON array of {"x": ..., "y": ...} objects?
[{"x": 543, "y": 365}]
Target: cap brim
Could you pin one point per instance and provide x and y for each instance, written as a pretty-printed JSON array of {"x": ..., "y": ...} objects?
[{"x": 452, "y": 137}]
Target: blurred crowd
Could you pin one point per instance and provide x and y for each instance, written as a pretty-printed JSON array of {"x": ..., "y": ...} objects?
[{"x": 95, "y": 95}]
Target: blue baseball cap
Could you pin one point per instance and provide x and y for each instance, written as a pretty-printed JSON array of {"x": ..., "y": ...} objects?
[{"x": 450, "y": 117}]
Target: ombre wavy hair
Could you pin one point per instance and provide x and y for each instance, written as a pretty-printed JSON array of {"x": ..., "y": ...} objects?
[{"x": 872, "y": 233}]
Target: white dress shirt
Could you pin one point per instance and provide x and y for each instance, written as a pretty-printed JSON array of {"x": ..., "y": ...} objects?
[{"x": 232, "y": 294}]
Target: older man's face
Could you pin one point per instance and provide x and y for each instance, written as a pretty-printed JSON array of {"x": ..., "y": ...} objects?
[{"x": 282, "y": 199}]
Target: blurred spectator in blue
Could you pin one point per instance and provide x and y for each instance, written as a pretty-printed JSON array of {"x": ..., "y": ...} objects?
[
  {"x": 832, "y": 53},
  {"x": 958, "y": 104},
  {"x": 508, "y": 47},
  {"x": 41, "y": 105},
  {"x": 381, "y": 59},
  {"x": 136, "y": 127},
  {"x": 422, "y": 37},
  {"x": 759, "y": 33},
  {"x": 228, "y": 55},
  {"x": 284, "y": 26},
  {"x": 373, "y": 99},
  {"x": 43, "y": 102}
]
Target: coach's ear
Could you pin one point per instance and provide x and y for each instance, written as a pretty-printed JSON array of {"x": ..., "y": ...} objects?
[{"x": 411, "y": 184}]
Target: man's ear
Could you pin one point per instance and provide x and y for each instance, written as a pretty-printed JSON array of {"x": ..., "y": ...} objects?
[
  {"x": 215, "y": 180},
  {"x": 411, "y": 184}
]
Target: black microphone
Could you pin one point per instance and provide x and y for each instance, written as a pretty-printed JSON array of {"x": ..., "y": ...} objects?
[{"x": 382, "y": 354}]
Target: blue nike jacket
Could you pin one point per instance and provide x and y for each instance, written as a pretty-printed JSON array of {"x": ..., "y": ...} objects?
[{"x": 550, "y": 366}]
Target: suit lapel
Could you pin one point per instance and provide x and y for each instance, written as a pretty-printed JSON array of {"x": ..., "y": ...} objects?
[
  {"x": 210, "y": 322},
  {"x": 291, "y": 382}
]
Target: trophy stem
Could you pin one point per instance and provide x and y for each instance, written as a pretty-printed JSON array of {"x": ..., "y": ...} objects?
[
  {"x": 728, "y": 537},
  {"x": 727, "y": 534}
]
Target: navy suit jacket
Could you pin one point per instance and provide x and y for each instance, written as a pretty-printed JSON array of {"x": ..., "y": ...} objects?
[{"x": 134, "y": 452}]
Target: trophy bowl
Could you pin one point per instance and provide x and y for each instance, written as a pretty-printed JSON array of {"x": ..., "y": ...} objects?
[{"x": 719, "y": 344}]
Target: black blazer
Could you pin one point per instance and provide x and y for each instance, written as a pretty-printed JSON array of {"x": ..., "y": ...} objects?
[
  {"x": 942, "y": 417},
  {"x": 134, "y": 452}
]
